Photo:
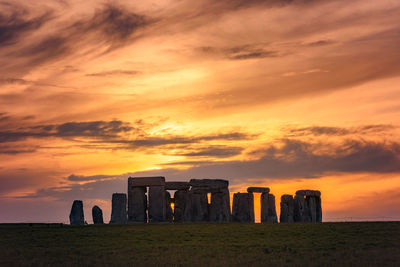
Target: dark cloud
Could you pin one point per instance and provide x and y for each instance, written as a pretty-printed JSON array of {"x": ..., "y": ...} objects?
[
  {"x": 321, "y": 43},
  {"x": 340, "y": 131},
  {"x": 297, "y": 159},
  {"x": 116, "y": 23},
  {"x": 15, "y": 22},
  {"x": 293, "y": 159},
  {"x": 114, "y": 72},
  {"x": 214, "y": 151},
  {"x": 81, "y": 178},
  {"x": 150, "y": 141},
  {"x": 109, "y": 28},
  {"x": 95, "y": 129},
  {"x": 240, "y": 52}
]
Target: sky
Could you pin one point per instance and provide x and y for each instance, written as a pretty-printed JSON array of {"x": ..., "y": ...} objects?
[{"x": 288, "y": 94}]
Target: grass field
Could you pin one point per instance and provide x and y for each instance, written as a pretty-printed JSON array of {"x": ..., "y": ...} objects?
[{"x": 327, "y": 244}]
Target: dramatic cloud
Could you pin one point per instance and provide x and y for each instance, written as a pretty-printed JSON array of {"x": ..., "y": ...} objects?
[{"x": 340, "y": 131}]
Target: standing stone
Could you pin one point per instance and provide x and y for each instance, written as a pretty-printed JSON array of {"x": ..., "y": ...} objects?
[
  {"x": 180, "y": 198},
  {"x": 76, "y": 216},
  {"x": 299, "y": 208},
  {"x": 137, "y": 204},
  {"x": 268, "y": 210},
  {"x": 312, "y": 208},
  {"x": 97, "y": 215},
  {"x": 220, "y": 206},
  {"x": 157, "y": 205},
  {"x": 243, "y": 207},
  {"x": 258, "y": 189},
  {"x": 307, "y": 206},
  {"x": 287, "y": 209},
  {"x": 196, "y": 208},
  {"x": 118, "y": 212},
  {"x": 319, "y": 209},
  {"x": 168, "y": 209}
]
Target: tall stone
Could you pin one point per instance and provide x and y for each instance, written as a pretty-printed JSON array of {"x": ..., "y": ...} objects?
[
  {"x": 76, "y": 216},
  {"x": 181, "y": 199},
  {"x": 268, "y": 210},
  {"x": 307, "y": 206},
  {"x": 312, "y": 208},
  {"x": 319, "y": 209},
  {"x": 137, "y": 204},
  {"x": 300, "y": 208},
  {"x": 97, "y": 215},
  {"x": 196, "y": 207},
  {"x": 118, "y": 212},
  {"x": 243, "y": 207},
  {"x": 287, "y": 209},
  {"x": 220, "y": 206},
  {"x": 168, "y": 209},
  {"x": 157, "y": 205}
]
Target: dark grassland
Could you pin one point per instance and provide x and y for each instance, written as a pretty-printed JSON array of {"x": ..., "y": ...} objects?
[{"x": 312, "y": 244}]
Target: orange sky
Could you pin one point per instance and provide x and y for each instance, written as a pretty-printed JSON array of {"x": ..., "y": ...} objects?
[{"x": 286, "y": 94}]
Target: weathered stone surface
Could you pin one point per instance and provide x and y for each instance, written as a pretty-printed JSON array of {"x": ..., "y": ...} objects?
[
  {"x": 319, "y": 209},
  {"x": 307, "y": 206},
  {"x": 312, "y": 208},
  {"x": 76, "y": 217},
  {"x": 168, "y": 209},
  {"x": 309, "y": 193},
  {"x": 220, "y": 206},
  {"x": 299, "y": 208},
  {"x": 196, "y": 208},
  {"x": 97, "y": 215},
  {"x": 268, "y": 210},
  {"x": 177, "y": 186},
  {"x": 157, "y": 205},
  {"x": 243, "y": 207},
  {"x": 137, "y": 204},
  {"x": 258, "y": 189},
  {"x": 118, "y": 212},
  {"x": 210, "y": 183},
  {"x": 181, "y": 199},
  {"x": 146, "y": 181},
  {"x": 287, "y": 209}
]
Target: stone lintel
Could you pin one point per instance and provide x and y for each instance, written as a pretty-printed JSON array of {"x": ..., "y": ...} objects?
[
  {"x": 286, "y": 198},
  {"x": 177, "y": 186},
  {"x": 211, "y": 183},
  {"x": 309, "y": 193},
  {"x": 258, "y": 189},
  {"x": 146, "y": 181}
]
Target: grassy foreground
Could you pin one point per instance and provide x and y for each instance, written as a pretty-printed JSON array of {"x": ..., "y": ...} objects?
[{"x": 327, "y": 244}]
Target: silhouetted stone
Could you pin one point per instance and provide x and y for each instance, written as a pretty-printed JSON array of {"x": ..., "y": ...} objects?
[
  {"x": 146, "y": 181},
  {"x": 157, "y": 204},
  {"x": 268, "y": 210},
  {"x": 243, "y": 207},
  {"x": 76, "y": 217},
  {"x": 97, "y": 215},
  {"x": 309, "y": 193},
  {"x": 180, "y": 202},
  {"x": 220, "y": 206},
  {"x": 287, "y": 209},
  {"x": 196, "y": 207},
  {"x": 118, "y": 212},
  {"x": 299, "y": 208},
  {"x": 319, "y": 209},
  {"x": 137, "y": 204},
  {"x": 168, "y": 209},
  {"x": 307, "y": 205},
  {"x": 177, "y": 186},
  {"x": 258, "y": 189},
  {"x": 212, "y": 184}
]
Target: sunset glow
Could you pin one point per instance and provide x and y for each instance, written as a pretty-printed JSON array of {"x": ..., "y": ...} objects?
[{"x": 285, "y": 94}]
